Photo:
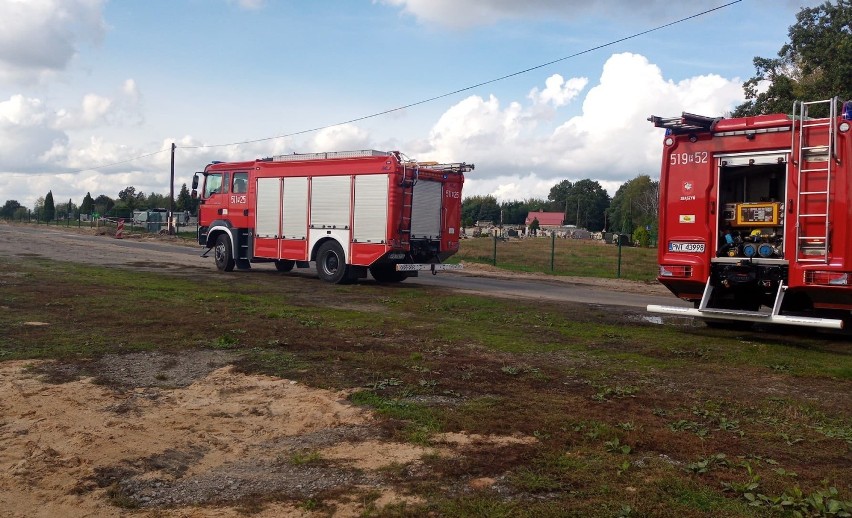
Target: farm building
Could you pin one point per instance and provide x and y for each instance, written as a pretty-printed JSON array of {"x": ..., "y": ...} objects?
[{"x": 545, "y": 219}]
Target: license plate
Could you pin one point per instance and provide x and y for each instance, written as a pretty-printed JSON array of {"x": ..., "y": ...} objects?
[
  {"x": 681, "y": 246},
  {"x": 427, "y": 267}
]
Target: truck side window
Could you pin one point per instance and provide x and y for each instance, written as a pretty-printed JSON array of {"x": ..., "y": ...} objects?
[
  {"x": 212, "y": 185},
  {"x": 240, "y": 183}
]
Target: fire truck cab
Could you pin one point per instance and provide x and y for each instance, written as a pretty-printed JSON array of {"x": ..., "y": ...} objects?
[
  {"x": 350, "y": 211},
  {"x": 755, "y": 216}
]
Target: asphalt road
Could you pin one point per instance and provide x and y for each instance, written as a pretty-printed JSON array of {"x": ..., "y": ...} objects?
[{"x": 67, "y": 245}]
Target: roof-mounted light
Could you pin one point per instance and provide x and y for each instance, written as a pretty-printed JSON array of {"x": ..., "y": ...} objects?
[{"x": 846, "y": 111}]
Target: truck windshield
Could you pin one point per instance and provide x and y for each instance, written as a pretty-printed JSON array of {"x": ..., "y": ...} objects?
[{"x": 212, "y": 184}]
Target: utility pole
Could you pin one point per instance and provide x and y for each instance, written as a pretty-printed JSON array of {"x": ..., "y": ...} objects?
[
  {"x": 172, "y": 194},
  {"x": 578, "y": 212}
]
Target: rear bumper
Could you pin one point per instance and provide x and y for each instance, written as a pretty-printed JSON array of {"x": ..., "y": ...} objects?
[{"x": 747, "y": 316}]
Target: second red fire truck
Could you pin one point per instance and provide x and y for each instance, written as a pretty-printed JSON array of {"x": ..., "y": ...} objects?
[
  {"x": 351, "y": 212},
  {"x": 756, "y": 216}
]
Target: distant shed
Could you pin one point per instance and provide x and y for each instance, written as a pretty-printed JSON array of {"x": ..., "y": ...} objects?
[{"x": 545, "y": 219}]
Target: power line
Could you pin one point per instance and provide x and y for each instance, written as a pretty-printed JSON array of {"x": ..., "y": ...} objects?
[
  {"x": 96, "y": 167},
  {"x": 423, "y": 101},
  {"x": 471, "y": 87}
]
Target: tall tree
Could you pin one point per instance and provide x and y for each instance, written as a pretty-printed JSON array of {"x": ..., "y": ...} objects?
[
  {"x": 155, "y": 201},
  {"x": 88, "y": 205},
  {"x": 559, "y": 197},
  {"x": 583, "y": 202},
  {"x": 480, "y": 208},
  {"x": 131, "y": 198},
  {"x": 103, "y": 204},
  {"x": 591, "y": 201},
  {"x": 185, "y": 200},
  {"x": 9, "y": 208},
  {"x": 635, "y": 204},
  {"x": 815, "y": 64},
  {"x": 49, "y": 208}
]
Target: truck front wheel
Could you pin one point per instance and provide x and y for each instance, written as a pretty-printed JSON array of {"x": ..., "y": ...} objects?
[
  {"x": 331, "y": 263},
  {"x": 223, "y": 255}
]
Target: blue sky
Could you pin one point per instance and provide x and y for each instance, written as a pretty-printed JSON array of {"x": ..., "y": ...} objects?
[{"x": 85, "y": 83}]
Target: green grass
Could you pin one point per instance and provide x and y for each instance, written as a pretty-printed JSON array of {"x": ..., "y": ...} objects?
[
  {"x": 584, "y": 382},
  {"x": 575, "y": 257}
]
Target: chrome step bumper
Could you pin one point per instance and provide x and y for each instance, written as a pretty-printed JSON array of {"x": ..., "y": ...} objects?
[{"x": 747, "y": 316}]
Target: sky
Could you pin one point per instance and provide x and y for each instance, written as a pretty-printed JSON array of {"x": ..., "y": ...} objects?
[{"x": 94, "y": 92}]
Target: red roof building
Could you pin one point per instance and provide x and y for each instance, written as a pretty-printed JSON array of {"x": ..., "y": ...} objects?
[{"x": 545, "y": 219}]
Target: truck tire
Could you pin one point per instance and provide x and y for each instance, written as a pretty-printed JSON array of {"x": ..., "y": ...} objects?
[
  {"x": 387, "y": 273},
  {"x": 223, "y": 255},
  {"x": 331, "y": 263},
  {"x": 284, "y": 265}
]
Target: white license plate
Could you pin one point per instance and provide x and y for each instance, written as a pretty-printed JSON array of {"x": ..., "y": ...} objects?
[{"x": 681, "y": 246}]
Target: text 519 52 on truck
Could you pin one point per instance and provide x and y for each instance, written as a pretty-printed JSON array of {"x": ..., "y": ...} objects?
[
  {"x": 350, "y": 211},
  {"x": 756, "y": 216}
]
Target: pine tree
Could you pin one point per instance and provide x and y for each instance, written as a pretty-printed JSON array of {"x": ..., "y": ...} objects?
[
  {"x": 88, "y": 205},
  {"x": 49, "y": 207}
]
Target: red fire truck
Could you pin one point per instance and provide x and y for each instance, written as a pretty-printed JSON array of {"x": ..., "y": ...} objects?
[
  {"x": 756, "y": 216},
  {"x": 350, "y": 211}
]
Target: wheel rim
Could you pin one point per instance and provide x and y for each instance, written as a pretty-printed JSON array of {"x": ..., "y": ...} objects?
[
  {"x": 220, "y": 253},
  {"x": 331, "y": 263}
]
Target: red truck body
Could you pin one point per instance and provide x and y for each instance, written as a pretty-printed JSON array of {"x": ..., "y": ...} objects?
[
  {"x": 350, "y": 211},
  {"x": 755, "y": 216}
]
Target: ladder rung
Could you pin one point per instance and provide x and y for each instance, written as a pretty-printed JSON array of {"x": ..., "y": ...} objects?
[
  {"x": 815, "y": 170},
  {"x": 820, "y": 238},
  {"x": 813, "y": 124},
  {"x": 813, "y": 192},
  {"x": 813, "y": 215}
]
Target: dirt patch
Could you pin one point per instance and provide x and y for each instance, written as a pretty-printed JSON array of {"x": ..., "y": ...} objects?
[{"x": 215, "y": 437}]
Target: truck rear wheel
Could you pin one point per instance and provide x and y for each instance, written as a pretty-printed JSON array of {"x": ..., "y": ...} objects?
[
  {"x": 331, "y": 263},
  {"x": 284, "y": 265},
  {"x": 387, "y": 273},
  {"x": 223, "y": 255}
]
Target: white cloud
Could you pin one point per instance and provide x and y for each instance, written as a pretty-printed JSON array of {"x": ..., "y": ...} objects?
[
  {"x": 340, "y": 138},
  {"x": 557, "y": 91},
  {"x": 123, "y": 108},
  {"x": 609, "y": 140},
  {"x": 52, "y": 31},
  {"x": 27, "y": 136}
]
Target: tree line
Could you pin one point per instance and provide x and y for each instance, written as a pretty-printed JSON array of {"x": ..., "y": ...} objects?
[
  {"x": 584, "y": 204},
  {"x": 123, "y": 206}
]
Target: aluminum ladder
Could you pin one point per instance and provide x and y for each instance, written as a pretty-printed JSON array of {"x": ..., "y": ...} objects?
[{"x": 815, "y": 146}]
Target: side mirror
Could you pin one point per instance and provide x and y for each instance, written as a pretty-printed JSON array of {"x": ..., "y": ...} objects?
[
  {"x": 194, "y": 194},
  {"x": 195, "y": 181}
]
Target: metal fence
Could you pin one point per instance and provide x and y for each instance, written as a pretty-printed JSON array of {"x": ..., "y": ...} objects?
[{"x": 561, "y": 256}]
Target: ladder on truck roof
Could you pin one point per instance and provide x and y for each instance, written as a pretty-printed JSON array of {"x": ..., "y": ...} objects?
[
  {"x": 815, "y": 147},
  {"x": 686, "y": 123}
]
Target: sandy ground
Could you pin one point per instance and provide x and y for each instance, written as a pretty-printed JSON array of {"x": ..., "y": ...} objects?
[
  {"x": 188, "y": 436},
  {"x": 205, "y": 449}
]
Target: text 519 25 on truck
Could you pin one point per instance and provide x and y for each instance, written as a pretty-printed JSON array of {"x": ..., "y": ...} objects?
[
  {"x": 350, "y": 211},
  {"x": 756, "y": 216}
]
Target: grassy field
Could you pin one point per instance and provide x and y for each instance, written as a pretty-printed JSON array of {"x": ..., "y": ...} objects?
[
  {"x": 629, "y": 418},
  {"x": 577, "y": 257}
]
